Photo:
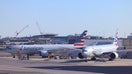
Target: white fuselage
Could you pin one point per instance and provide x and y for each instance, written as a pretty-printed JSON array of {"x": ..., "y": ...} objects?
[
  {"x": 98, "y": 50},
  {"x": 32, "y": 49}
]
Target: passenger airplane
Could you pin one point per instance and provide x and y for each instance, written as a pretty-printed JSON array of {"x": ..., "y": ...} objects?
[
  {"x": 43, "y": 50},
  {"x": 101, "y": 50}
]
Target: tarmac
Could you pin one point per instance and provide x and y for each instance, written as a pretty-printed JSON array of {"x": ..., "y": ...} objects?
[{"x": 9, "y": 65}]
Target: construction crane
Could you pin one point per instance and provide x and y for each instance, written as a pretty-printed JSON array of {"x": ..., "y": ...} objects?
[
  {"x": 39, "y": 28},
  {"x": 17, "y": 33}
]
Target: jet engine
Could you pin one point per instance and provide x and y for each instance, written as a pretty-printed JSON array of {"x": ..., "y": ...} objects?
[
  {"x": 44, "y": 54},
  {"x": 113, "y": 56},
  {"x": 80, "y": 56}
]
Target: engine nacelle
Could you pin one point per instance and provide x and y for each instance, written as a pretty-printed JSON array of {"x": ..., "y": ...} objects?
[
  {"x": 44, "y": 53},
  {"x": 80, "y": 56},
  {"x": 113, "y": 56}
]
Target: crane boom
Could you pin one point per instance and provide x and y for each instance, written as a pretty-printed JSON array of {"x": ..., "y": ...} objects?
[
  {"x": 39, "y": 28},
  {"x": 17, "y": 33}
]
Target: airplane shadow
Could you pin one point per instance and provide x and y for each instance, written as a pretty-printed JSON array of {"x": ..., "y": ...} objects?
[
  {"x": 94, "y": 69},
  {"x": 83, "y": 60}
]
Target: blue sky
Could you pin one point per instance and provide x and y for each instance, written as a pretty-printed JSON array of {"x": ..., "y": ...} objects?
[{"x": 64, "y": 17}]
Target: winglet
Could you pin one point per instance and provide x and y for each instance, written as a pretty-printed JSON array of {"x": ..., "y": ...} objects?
[{"x": 116, "y": 39}]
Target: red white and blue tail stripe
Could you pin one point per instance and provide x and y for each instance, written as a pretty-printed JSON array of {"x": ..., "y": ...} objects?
[{"x": 80, "y": 41}]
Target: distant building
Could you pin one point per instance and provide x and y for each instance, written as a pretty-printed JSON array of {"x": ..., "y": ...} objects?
[
  {"x": 130, "y": 36},
  {"x": 128, "y": 42}
]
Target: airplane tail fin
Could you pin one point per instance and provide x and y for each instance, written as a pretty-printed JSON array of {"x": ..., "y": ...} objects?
[
  {"x": 116, "y": 40},
  {"x": 80, "y": 41}
]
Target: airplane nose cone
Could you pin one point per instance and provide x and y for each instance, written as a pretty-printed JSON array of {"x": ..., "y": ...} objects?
[{"x": 84, "y": 52}]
